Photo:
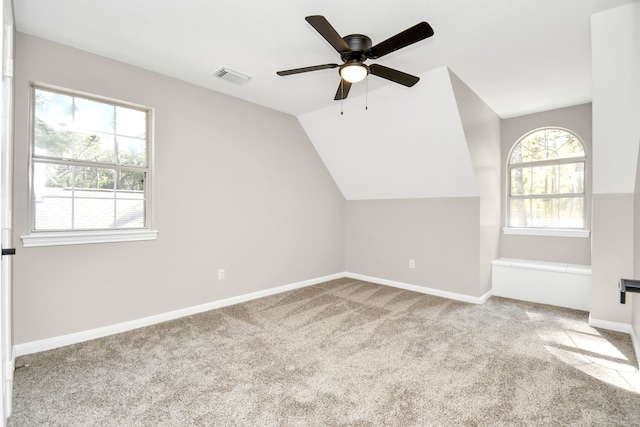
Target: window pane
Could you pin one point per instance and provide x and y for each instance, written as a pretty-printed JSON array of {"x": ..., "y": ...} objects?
[
  {"x": 567, "y": 145},
  {"x": 130, "y": 207},
  {"x": 51, "y": 142},
  {"x": 130, "y": 122},
  {"x": 85, "y": 178},
  {"x": 52, "y": 124},
  {"x": 129, "y": 213},
  {"x": 46, "y": 177},
  {"x": 94, "y": 147},
  {"x": 516, "y": 154},
  {"x": 132, "y": 151},
  {"x": 93, "y": 214},
  {"x": 519, "y": 215},
  {"x": 54, "y": 109},
  {"x": 544, "y": 213},
  {"x": 94, "y": 182},
  {"x": 571, "y": 212},
  {"x": 129, "y": 181},
  {"x": 571, "y": 178},
  {"x": 52, "y": 196},
  {"x": 547, "y": 144},
  {"x": 534, "y": 147},
  {"x": 544, "y": 180},
  {"x": 53, "y": 213},
  {"x": 530, "y": 146},
  {"x": 520, "y": 181},
  {"x": 93, "y": 116}
]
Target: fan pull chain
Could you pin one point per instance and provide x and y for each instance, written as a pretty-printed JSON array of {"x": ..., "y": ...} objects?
[
  {"x": 366, "y": 94},
  {"x": 342, "y": 97}
]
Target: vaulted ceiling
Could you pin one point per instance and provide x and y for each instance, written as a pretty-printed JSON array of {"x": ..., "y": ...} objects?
[{"x": 519, "y": 57}]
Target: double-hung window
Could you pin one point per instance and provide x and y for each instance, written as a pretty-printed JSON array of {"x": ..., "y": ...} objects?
[
  {"x": 546, "y": 182},
  {"x": 90, "y": 169}
]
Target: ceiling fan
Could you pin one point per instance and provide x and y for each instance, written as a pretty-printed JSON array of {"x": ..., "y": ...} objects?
[{"x": 355, "y": 49}]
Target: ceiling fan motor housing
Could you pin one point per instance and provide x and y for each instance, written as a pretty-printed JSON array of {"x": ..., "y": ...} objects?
[{"x": 358, "y": 45}]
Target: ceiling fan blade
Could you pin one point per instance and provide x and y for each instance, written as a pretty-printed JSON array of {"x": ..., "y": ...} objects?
[
  {"x": 393, "y": 75},
  {"x": 325, "y": 29},
  {"x": 306, "y": 69},
  {"x": 343, "y": 90},
  {"x": 409, "y": 36}
]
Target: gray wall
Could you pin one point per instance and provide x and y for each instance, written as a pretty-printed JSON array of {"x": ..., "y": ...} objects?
[
  {"x": 571, "y": 250},
  {"x": 612, "y": 255},
  {"x": 440, "y": 234},
  {"x": 237, "y": 186}
]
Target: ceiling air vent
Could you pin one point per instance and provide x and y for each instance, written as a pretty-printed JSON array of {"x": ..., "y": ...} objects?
[{"x": 232, "y": 76}]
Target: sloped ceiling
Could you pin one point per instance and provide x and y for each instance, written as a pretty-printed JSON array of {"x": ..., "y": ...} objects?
[{"x": 408, "y": 143}]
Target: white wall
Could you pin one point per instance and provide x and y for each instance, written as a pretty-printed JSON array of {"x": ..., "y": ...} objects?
[
  {"x": 616, "y": 136},
  {"x": 635, "y": 315},
  {"x": 405, "y": 145},
  {"x": 237, "y": 187},
  {"x": 615, "y": 46}
]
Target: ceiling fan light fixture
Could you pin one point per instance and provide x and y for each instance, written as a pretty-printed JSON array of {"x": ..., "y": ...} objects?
[{"x": 354, "y": 72}]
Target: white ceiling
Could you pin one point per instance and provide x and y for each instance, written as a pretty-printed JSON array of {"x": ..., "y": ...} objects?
[{"x": 519, "y": 56}]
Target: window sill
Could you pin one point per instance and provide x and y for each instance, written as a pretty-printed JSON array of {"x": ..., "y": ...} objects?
[
  {"x": 552, "y": 232},
  {"x": 55, "y": 238}
]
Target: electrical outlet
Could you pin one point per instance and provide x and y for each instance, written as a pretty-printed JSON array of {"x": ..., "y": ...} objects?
[
  {"x": 412, "y": 264},
  {"x": 220, "y": 274}
]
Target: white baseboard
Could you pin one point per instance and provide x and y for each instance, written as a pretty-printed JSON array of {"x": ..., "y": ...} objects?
[
  {"x": 424, "y": 290},
  {"x": 64, "y": 340},
  {"x": 8, "y": 385},
  {"x": 618, "y": 327},
  {"x": 612, "y": 326},
  {"x": 636, "y": 346}
]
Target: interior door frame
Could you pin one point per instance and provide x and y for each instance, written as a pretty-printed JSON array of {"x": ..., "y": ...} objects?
[{"x": 6, "y": 208}]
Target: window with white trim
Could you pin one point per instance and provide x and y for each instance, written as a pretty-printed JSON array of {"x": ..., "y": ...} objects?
[
  {"x": 546, "y": 181},
  {"x": 90, "y": 167}
]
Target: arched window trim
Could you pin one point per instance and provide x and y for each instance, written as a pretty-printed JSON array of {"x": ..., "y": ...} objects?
[{"x": 549, "y": 231}]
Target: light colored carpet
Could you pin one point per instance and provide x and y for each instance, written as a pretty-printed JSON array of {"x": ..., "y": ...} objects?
[{"x": 342, "y": 353}]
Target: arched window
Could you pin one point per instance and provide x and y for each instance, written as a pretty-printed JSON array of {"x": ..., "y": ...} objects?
[{"x": 546, "y": 187}]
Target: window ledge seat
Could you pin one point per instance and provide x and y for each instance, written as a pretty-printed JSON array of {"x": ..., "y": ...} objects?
[{"x": 560, "y": 284}]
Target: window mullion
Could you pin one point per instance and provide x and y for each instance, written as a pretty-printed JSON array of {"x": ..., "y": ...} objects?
[
  {"x": 537, "y": 163},
  {"x": 115, "y": 198},
  {"x": 73, "y": 197},
  {"x": 547, "y": 196},
  {"x": 81, "y": 163}
]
